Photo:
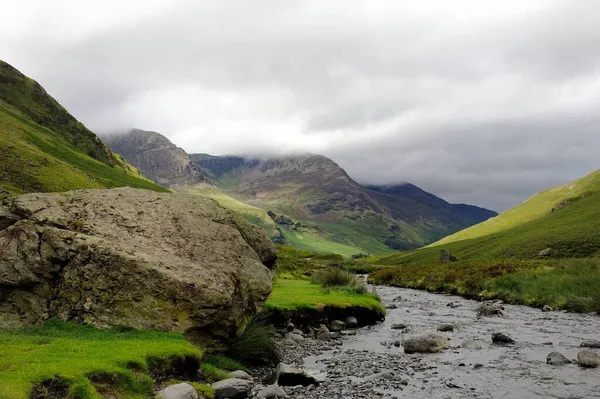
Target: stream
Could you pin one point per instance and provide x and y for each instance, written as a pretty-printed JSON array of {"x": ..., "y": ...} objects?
[{"x": 478, "y": 369}]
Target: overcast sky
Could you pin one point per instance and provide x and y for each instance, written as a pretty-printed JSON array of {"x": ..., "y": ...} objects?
[{"x": 483, "y": 102}]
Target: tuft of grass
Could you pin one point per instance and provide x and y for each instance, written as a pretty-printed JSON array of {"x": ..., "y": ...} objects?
[
  {"x": 224, "y": 363},
  {"x": 86, "y": 360},
  {"x": 255, "y": 346},
  {"x": 335, "y": 277},
  {"x": 212, "y": 373}
]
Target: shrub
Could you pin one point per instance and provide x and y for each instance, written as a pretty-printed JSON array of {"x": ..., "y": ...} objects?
[
  {"x": 335, "y": 277},
  {"x": 255, "y": 346}
]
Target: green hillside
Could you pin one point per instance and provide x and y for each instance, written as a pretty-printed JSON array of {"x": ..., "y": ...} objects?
[
  {"x": 45, "y": 149},
  {"x": 501, "y": 257}
]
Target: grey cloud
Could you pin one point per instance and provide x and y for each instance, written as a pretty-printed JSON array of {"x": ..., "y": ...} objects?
[{"x": 477, "y": 106}]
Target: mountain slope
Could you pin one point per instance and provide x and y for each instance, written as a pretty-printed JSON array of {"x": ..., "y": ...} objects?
[
  {"x": 504, "y": 254},
  {"x": 44, "y": 148},
  {"x": 332, "y": 212},
  {"x": 157, "y": 158}
]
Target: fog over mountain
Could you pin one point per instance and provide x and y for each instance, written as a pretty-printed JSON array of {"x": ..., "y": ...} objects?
[{"x": 478, "y": 102}]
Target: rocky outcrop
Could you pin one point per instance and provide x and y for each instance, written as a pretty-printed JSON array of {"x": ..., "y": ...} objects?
[
  {"x": 173, "y": 262},
  {"x": 446, "y": 257}
]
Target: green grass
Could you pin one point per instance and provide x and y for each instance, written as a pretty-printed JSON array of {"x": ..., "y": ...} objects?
[
  {"x": 124, "y": 357},
  {"x": 317, "y": 242},
  {"x": 506, "y": 251},
  {"x": 302, "y": 294}
]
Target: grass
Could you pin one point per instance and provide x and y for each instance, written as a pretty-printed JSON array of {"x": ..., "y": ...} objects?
[
  {"x": 122, "y": 360},
  {"x": 255, "y": 346},
  {"x": 501, "y": 257},
  {"x": 294, "y": 294}
]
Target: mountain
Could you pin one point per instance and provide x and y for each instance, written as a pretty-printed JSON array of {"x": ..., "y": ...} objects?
[
  {"x": 44, "y": 148},
  {"x": 541, "y": 252},
  {"x": 326, "y": 210},
  {"x": 157, "y": 158}
]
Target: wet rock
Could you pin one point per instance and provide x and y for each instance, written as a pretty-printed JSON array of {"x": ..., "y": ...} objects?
[
  {"x": 478, "y": 366},
  {"x": 426, "y": 343},
  {"x": 351, "y": 322},
  {"x": 291, "y": 376},
  {"x": 271, "y": 392},
  {"x": 323, "y": 333},
  {"x": 295, "y": 337},
  {"x": 391, "y": 306},
  {"x": 337, "y": 325},
  {"x": 347, "y": 333},
  {"x": 452, "y": 305},
  {"x": 178, "y": 391},
  {"x": 446, "y": 256},
  {"x": 241, "y": 374},
  {"x": 547, "y": 308},
  {"x": 472, "y": 344},
  {"x": 384, "y": 375},
  {"x": 445, "y": 327},
  {"x": 232, "y": 388},
  {"x": 557, "y": 359},
  {"x": 290, "y": 326},
  {"x": 399, "y": 326},
  {"x": 502, "y": 339},
  {"x": 397, "y": 344},
  {"x": 588, "y": 359},
  {"x": 590, "y": 344},
  {"x": 488, "y": 309}
]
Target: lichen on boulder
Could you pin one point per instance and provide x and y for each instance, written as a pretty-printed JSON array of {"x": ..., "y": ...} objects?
[{"x": 174, "y": 262}]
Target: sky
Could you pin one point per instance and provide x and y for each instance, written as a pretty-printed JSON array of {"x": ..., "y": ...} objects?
[{"x": 480, "y": 102}]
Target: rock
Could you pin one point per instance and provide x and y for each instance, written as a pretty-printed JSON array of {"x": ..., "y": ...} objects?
[
  {"x": 453, "y": 305},
  {"x": 446, "y": 256},
  {"x": 337, "y": 325},
  {"x": 132, "y": 257},
  {"x": 178, "y": 391},
  {"x": 588, "y": 359},
  {"x": 241, "y": 374},
  {"x": 397, "y": 344},
  {"x": 472, "y": 344},
  {"x": 290, "y": 376},
  {"x": 290, "y": 326},
  {"x": 351, "y": 322},
  {"x": 488, "y": 309},
  {"x": 399, "y": 326},
  {"x": 445, "y": 327},
  {"x": 323, "y": 333},
  {"x": 426, "y": 343},
  {"x": 545, "y": 252},
  {"x": 347, "y": 333},
  {"x": 296, "y": 331},
  {"x": 557, "y": 359},
  {"x": 502, "y": 339},
  {"x": 384, "y": 375},
  {"x": 592, "y": 343},
  {"x": 232, "y": 388},
  {"x": 271, "y": 392},
  {"x": 391, "y": 306},
  {"x": 478, "y": 366},
  {"x": 295, "y": 337},
  {"x": 547, "y": 308}
]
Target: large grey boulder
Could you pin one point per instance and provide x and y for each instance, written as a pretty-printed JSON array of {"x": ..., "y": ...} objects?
[
  {"x": 557, "y": 359},
  {"x": 426, "y": 343},
  {"x": 588, "y": 358},
  {"x": 178, "y": 391},
  {"x": 175, "y": 262},
  {"x": 291, "y": 376},
  {"x": 232, "y": 388}
]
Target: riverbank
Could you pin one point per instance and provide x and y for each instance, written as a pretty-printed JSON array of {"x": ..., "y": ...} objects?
[{"x": 368, "y": 364}]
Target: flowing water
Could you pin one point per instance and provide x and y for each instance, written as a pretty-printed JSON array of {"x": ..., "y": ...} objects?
[{"x": 517, "y": 371}]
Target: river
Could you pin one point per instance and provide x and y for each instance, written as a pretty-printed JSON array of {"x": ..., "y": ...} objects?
[{"x": 483, "y": 370}]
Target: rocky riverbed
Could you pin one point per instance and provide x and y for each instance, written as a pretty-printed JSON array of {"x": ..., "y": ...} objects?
[{"x": 372, "y": 363}]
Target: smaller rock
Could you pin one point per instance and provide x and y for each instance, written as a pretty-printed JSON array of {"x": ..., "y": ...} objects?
[
  {"x": 488, "y": 309},
  {"x": 426, "y": 343},
  {"x": 384, "y": 375},
  {"x": 351, "y": 322},
  {"x": 337, "y": 325},
  {"x": 548, "y": 343},
  {"x": 445, "y": 327},
  {"x": 290, "y": 326},
  {"x": 545, "y": 252},
  {"x": 391, "y": 306},
  {"x": 271, "y": 392},
  {"x": 399, "y": 326},
  {"x": 232, "y": 388},
  {"x": 472, "y": 344},
  {"x": 335, "y": 335},
  {"x": 323, "y": 333},
  {"x": 178, "y": 391},
  {"x": 502, "y": 339},
  {"x": 446, "y": 256},
  {"x": 347, "y": 333},
  {"x": 588, "y": 359},
  {"x": 557, "y": 359},
  {"x": 592, "y": 343},
  {"x": 397, "y": 344},
  {"x": 478, "y": 366},
  {"x": 547, "y": 308},
  {"x": 291, "y": 376},
  {"x": 296, "y": 331},
  {"x": 241, "y": 374},
  {"x": 452, "y": 305},
  {"x": 295, "y": 337}
]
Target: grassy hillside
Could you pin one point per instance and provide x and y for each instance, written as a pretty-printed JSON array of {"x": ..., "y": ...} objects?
[
  {"x": 500, "y": 257},
  {"x": 38, "y": 158}
]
